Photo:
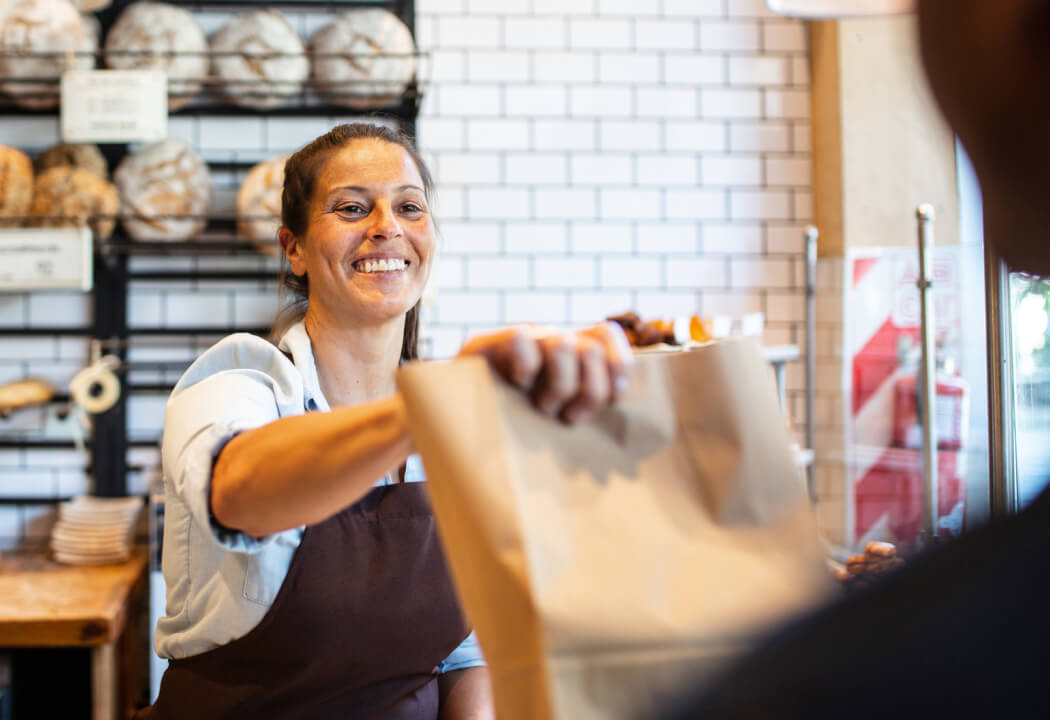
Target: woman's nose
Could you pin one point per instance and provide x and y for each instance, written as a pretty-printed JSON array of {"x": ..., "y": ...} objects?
[{"x": 385, "y": 225}]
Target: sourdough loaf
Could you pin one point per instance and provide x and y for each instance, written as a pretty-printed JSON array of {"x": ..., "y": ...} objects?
[
  {"x": 65, "y": 196},
  {"x": 259, "y": 60},
  {"x": 259, "y": 204},
  {"x": 16, "y": 183},
  {"x": 155, "y": 35},
  {"x": 165, "y": 191},
  {"x": 39, "y": 39},
  {"x": 81, "y": 155},
  {"x": 364, "y": 58}
]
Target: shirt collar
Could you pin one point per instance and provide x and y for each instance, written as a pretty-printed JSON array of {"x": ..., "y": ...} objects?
[{"x": 296, "y": 342}]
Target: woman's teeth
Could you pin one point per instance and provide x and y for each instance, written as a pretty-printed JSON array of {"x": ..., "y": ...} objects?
[{"x": 374, "y": 266}]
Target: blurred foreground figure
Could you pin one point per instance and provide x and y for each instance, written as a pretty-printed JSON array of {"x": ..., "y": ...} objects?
[{"x": 963, "y": 631}]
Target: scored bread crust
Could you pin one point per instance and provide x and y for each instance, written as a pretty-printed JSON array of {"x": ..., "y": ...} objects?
[
  {"x": 40, "y": 39},
  {"x": 67, "y": 196},
  {"x": 259, "y": 60},
  {"x": 364, "y": 58},
  {"x": 174, "y": 39},
  {"x": 165, "y": 191},
  {"x": 16, "y": 183},
  {"x": 82, "y": 155},
  {"x": 259, "y": 204}
]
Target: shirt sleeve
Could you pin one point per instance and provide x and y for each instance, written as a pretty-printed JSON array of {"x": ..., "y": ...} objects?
[
  {"x": 467, "y": 655},
  {"x": 209, "y": 407}
]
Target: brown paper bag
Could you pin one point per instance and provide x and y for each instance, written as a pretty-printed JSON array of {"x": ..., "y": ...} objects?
[{"x": 604, "y": 565}]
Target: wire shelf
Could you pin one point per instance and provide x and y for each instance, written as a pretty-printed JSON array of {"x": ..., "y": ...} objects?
[
  {"x": 210, "y": 95},
  {"x": 219, "y": 235}
]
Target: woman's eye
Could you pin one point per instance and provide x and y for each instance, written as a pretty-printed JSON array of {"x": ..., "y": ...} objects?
[
  {"x": 352, "y": 208},
  {"x": 411, "y": 208}
]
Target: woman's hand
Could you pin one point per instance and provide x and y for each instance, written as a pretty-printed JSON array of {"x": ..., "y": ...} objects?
[{"x": 568, "y": 375}]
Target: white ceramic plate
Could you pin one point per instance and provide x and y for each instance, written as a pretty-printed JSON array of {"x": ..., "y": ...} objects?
[
  {"x": 90, "y": 551},
  {"x": 80, "y": 559},
  {"x": 72, "y": 528}
]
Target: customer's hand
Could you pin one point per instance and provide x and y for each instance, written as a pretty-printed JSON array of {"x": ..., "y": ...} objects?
[{"x": 568, "y": 375}]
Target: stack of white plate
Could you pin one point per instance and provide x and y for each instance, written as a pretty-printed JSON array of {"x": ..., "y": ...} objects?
[{"x": 94, "y": 531}]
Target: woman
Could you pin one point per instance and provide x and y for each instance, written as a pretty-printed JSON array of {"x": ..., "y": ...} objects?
[{"x": 298, "y": 586}]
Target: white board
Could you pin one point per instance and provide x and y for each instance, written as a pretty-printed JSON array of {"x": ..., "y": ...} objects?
[
  {"x": 114, "y": 106},
  {"x": 45, "y": 259}
]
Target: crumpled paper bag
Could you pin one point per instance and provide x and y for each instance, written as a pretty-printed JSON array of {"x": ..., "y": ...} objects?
[{"x": 608, "y": 566}]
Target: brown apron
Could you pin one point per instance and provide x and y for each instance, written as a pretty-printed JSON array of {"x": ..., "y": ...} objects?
[{"x": 365, "y": 615}]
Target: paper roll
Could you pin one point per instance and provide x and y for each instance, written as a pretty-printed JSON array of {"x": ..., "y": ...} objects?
[{"x": 96, "y": 389}]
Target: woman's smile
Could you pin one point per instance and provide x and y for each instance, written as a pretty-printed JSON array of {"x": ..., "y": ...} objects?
[{"x": 384, "y": 265}]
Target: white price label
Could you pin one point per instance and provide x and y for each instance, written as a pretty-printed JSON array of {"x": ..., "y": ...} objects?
[
  {"x": 114, "y": 105},
  {"x": 45, "y": 259},
  {"x": 840, "y": 8}
]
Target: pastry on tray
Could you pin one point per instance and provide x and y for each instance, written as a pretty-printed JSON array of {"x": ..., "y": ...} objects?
[
  {"x": 861, "y": 570},
  {"x": 642, "y": 333}
]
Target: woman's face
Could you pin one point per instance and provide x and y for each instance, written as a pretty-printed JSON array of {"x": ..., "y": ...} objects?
[{"x": 369, "y": 243}]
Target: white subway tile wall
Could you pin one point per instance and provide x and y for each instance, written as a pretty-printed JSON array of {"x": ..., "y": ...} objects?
[{"x": 591, "y": 156}]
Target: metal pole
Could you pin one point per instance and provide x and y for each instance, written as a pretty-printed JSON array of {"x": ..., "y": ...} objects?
[
  {"x": 1002, "y": 445},
  {"x": 109, "y": 430},
  {"x": 926, "y": 216},
  {"x": 812, "y": 235},
  {"x": 811, "y": 329}
]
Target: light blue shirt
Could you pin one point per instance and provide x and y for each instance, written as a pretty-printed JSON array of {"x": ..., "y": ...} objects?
[{"x": 220, "y": 583}]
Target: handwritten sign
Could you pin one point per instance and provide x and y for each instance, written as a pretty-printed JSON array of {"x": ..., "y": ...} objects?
[
  {"x": 114, "y": 105},
  {"x": 45, "y": 259}
]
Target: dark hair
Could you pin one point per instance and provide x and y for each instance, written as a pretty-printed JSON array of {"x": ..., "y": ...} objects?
[{"x": 300, "y": 175}]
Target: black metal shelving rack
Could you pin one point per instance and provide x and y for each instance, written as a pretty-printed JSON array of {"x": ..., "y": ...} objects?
[{"x": 112, "y": 278}]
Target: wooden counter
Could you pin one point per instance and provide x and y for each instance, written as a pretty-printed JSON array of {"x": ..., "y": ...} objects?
[{"x": 47, "y": 604}]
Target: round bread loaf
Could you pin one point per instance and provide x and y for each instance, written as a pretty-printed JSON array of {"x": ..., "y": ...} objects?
[
  {"x": 165, "y": 37},
  {"x": 364, "y": 58},
  {"x": 259, "y": 204},
  {"x": 165, "y": 191},
  {"x": 81, "y": 155},
  {"x": 259, "y": 60},
  {"x": 65, "y": 196},
  {"x": 40, "y": 39},
  {"x": 16, "y": 183}
]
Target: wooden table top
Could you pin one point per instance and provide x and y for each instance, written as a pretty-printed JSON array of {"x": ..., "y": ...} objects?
[{"x": 44, "y": 603}]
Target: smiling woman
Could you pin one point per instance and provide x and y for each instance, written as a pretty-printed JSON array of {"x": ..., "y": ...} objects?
[
  {"x": 304, "y": 575},
  {"x": 363, "y": 146}
]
